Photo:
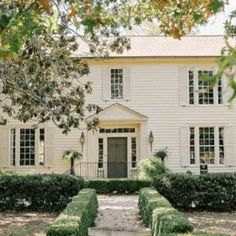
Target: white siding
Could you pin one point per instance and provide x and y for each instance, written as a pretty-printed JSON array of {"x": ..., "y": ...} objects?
[{"x": 155, "y": 89}]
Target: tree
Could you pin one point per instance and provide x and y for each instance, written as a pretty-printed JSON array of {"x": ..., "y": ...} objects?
[
  {"x": 39, "y": 78},
  {"x": 71, "y": 156}
]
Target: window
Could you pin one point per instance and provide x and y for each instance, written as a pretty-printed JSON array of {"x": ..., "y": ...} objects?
[
  {"x": 13, "y": 147},
  {"x": 41, "y": 147},
  {"x": 207, "y": 145},
  {"x": 27, "y": 147},
  {"x": 200, "y": 91},
  {"x": 192, "y": 146},
  {"x": 23, "y": 146},
  {"x": 221, "y": 145},
  {"x": 117, "y": 130},
  {"x": 116, "y": 83},
  {"x": 134, "y": 152},
  {"x": 210, "y": 144},
  {"x": 100, "y": 153}
]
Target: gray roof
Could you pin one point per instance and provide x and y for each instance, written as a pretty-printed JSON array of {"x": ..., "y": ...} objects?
[{"x": 160, "y": 46}]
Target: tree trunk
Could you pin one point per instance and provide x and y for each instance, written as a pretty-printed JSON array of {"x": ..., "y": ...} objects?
[{"x": 72, "y": 166}]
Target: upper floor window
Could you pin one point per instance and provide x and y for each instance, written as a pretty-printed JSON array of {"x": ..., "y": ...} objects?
[
  {"x": 200, "y": 91},
  {"x": 116, "y": 83}
]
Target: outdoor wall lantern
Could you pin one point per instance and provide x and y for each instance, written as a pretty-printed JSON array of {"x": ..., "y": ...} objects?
[
  {"x": 151, "y": 139},
  {"x": 82, "y": 140}
]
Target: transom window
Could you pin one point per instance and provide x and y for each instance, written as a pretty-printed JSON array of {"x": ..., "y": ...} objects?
[
  {"x": 116, "y": 83},
  {"x": 209, "y": 141},
  {"x": 200, "y": 91},
  {"x": 23, "y": 146},
  {"x": 117, "y": 130}
]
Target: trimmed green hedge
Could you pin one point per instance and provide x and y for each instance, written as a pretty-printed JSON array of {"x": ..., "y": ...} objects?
[
  {"x": 46, "y": 192},
  {"x": 212, "y": 192},
  {"x": 79, "y": 214},
  {"x": 158, "y": 214},
  {"x": 117, "y": 185}
]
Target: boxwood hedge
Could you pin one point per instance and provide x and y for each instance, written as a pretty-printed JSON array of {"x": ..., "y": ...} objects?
[
  {"x": 117, "y": 185},
  {"x": 37, "y": 192},
  {"x": 213, "y": 192},
  {"x": 79, "y": 214},
  {"x": 158, "y": 214}
]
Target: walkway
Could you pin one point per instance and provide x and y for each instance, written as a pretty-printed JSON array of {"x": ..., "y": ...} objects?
[{"x": 118, "y": 215}]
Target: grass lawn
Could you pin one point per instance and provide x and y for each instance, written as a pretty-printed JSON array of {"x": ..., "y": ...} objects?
[
  {"x": 25, "y": 224},
  {"x": 213, "y": 222}
]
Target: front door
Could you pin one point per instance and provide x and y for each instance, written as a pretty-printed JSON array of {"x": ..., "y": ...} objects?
[{"x": 117, "y": 158}]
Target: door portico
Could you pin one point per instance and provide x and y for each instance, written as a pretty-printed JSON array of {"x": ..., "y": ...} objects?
[{"x": 120, "y": 139}]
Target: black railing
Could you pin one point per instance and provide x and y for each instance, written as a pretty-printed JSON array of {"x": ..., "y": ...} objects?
[{"x": 97, "y": 170}]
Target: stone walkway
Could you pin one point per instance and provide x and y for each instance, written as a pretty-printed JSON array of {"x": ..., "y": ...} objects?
[{"x": 119, "y": 213}]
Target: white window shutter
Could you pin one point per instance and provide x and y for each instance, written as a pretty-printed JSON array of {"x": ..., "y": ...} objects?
[
  {"x": 184, "y": 146},
  {"x": 106, "y": 80},
  {"x": 49, "y": 140},
  {"x": 183, "y": 85},
  {"x": 4, "y": 147},
  {"x": 230, "y": 158},
  {"x": 127, "y": 83}
]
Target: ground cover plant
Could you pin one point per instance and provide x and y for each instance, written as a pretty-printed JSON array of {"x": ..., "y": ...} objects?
[
  {"x": 79, "y": 214},
  {"x": 37, "y": 192}
]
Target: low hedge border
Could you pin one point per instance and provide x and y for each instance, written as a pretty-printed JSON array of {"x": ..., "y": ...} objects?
[
  {"x": 158, "y": 214},
  {"x": 37, "y": 192},
  {"x": 210, "y": 192},
  {"x": 117, "y": 185},
  {"x": 79, "y": 214}
]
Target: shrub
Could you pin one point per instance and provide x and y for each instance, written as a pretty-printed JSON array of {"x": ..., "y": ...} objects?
[
  {"x": 214, "y": 192},
  {"x": 77, "y": 216},
  {"x": 47, "y": 192},
  {"x": 149, "y": 169},
  {"x": 117, "y": 185},
  {"x": 158, "y": 214}
]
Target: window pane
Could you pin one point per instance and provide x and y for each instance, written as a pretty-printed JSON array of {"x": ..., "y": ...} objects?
[
  {"x": 220, "y": 96},
  {"x": 191, "y": 87},
  {"x": 206, "y": 145},
  {"x": 27, "y": 146},
  {"x": 206, "y": 92},
  {"x": 100, "y": 152},
  {"x": 134, "y": 152},
  {"x": 221, "y": 145},
  {"x": 13, "y": 147},
  {"x": 116, "y": 83},
  {"x": 41, "y": 147},
  {"x": 192, "y": 146}
]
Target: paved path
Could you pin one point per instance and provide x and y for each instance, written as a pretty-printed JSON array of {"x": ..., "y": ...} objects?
[{"x": 119, "y": 213}]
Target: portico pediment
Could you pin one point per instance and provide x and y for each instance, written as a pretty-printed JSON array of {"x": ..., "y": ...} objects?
[{"x": 118, "y": 112}]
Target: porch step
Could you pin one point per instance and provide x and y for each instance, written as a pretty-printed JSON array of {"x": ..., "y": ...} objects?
[{"x": 102, "y": 231}]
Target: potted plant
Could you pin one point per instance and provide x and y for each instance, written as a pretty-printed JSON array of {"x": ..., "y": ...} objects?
[
  {"x": 162, "y": 154},
  {"x": 71, "y": 156}
]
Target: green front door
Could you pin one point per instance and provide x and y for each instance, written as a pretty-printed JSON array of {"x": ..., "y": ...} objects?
[{"x": 117, "y": 158}]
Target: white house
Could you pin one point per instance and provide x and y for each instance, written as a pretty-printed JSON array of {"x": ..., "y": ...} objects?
[{"x": 150, "y": 92}]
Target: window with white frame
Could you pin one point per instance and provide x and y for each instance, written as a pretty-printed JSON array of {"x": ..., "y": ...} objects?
[
  {"x": 23, "y": 146},
  {"x": 200, "y": 91},
  {"x": 116, "y": 79},
  {"x": 208, "y": 143}
]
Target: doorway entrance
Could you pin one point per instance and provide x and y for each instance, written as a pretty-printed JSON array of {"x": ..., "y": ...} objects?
[{"x": 117, "y": 157}]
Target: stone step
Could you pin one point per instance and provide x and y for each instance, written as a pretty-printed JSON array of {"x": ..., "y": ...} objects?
[{"x": 101, "y": 231}]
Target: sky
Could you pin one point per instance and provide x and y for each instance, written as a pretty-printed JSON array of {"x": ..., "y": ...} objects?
[{"x": 216, "y": 23}]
